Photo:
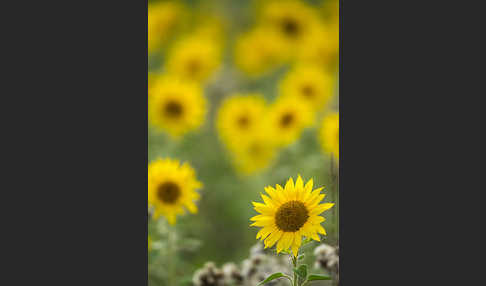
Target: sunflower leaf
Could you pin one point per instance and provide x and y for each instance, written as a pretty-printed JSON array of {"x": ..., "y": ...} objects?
[
  {"x": 301, "y": 271},
  {"x": 313, "y": 277},
  {"x": 272, "y": 277},
  {"x": 300, "y": 257}
]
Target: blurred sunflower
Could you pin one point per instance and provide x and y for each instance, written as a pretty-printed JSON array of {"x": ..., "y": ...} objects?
[
  {"x": 163, "y": 17},
  {"x": 255, "y": 155},
  {"x": 290, "y": 213},
  {"x": 293, "y": 20},
  {"x": 260, "y": 51},
  {"x": 172, "y": 188},
  {"x": 239, "y": 119},
  {"x": 310, "y": 84},
  {"x": 194, "y": 58},
  {"x": 321, "y": 47},
  {"x": 329, "y": 134},
  {"x": 176, "y": 106},
  {"x": 286, "y": 118}
]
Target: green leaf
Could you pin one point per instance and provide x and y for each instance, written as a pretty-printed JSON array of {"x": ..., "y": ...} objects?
[
  {"x": 313, "y": 277},
  {"x": 271, "y": 277},
  {"x": 300, "y": 257},
  {"x": 301, "y": 271}
]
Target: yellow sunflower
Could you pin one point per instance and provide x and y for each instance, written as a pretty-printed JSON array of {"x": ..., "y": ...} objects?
[
  {"x": 260, "y": 51},
  {"x": 309, "y": 83},
  {"x": 172, "y": 188},
  {"x": 293, "y": 20},
  {"x": 176, "y": 106},
  {"x": 163, "y": 17},
  {"x": 194, "y": 58},
  {"x": 287, "y": 118},
  {"x": 321, "y": 47},
  {"x": 256, "y": 154},
  {"x": 290, "y": 213},
  {"x": 329, "y": 134},
  {"x": 239, "y": 119}
]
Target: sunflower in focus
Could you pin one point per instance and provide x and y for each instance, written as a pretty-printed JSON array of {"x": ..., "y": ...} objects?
[
  {"x": 163, "y": 18},
  {"x": 329, "y": 134},
  {"x": 309, "y": 83},
  {"x": 239, "y": 119},
  {"x": 194, "y": 58},
  {"x": 260, "y": 51},
  {"x": 287, "y": 118},
  {"x": 176, "y": 106},
  {"x": 290, "y": 213},
  {"x": 293, "y": 20},
  {"x": 172, "y": 188}
]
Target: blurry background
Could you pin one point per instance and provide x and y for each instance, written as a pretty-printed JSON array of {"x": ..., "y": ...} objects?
[{"x": 243, "y": 61}]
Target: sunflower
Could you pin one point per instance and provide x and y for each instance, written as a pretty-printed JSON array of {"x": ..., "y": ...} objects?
[
  {"x": 172, "y": 188},
  {"x": 293, "y": 20},
  {"x": 255, "y": 155},
  {"x": 176, "y": 106},
  {"x": 194, "y": 58},
  {"x": 309, "y": 83},
  {"x": 163, "y": 18},
  {"x": 321, "y": 47},
  {"x": 290, "y": 213},
  {"x": 239, "y": 119},
  {"x": 286, "y": 119},
  {"x": 329, "y": 134},
  {"x": 260, "y": 51}
]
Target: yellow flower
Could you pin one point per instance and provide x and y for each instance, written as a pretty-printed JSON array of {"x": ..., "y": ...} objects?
[
  {"x": 172, "y": 188},
  {"x": 287, "y": 118},
  {"x": 321, "y": 47},
  {"x": 310, "y": 84},
  {"x": 329, "y": 134},
  {"x": 290, "y": 213},
  {"x": 255, "y": 155},
  {"x": 194, "y": 58},
  {"x": 260, "y": 51},
  {"x": 239, "y": 119},
  {"x": 162, "y": 20},
  {"x": 293, "y": 20},
  {"x": 176, "y": 106}
]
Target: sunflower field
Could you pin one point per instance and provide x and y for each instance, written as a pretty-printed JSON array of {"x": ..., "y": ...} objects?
[{"x": 243, "y": 143}]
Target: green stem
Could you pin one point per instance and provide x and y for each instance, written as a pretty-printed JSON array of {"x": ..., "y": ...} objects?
[{"x": 294, "y": 262}]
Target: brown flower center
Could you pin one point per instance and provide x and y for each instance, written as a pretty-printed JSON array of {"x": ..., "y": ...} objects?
[
  {"x": 173, "y": 109},
  {"x": 243, "y": 122},
  {"x": 290, "y": 27},
  {"x": 307, "y": 91},
  {"x": 168, "y": 192},
  {"x": 193, "y": 67},
  {"x": 291, "y": 216},
  {"x": 286, "y": 120}
]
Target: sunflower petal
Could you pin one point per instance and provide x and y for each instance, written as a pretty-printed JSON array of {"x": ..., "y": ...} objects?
[{"x": 321, "y": 208}]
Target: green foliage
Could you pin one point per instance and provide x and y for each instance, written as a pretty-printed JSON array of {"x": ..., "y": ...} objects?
[{"x": 273, "y": 277}]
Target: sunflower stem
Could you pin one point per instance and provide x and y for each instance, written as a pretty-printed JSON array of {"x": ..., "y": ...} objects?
[{"x": 294, "y": 262}]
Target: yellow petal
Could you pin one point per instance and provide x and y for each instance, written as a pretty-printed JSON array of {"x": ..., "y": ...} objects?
[
  {"x": 316, "y": 219},
  {"x": 299, "y": 184},
  {"x": 264, "y": 232},
  {"x": 272, "y": 238},
  {"x": 285, "y": 242},
  {"x": 289, "y": 185},
  {"x": 263, "y": 222},
  {"x": 314, "y": 236},
  {"x": 267, "y": 201},
  {"x": 309, "y": 185},
  {"x": 321, "y": 208},
  {"x": 321, "y": 230}
]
